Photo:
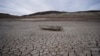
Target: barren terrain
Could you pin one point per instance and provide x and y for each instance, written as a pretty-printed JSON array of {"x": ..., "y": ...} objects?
[{"x": 25, "y": 38}]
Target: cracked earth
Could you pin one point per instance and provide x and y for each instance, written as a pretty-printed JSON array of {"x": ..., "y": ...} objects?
[{"x": 27, "y": 39}]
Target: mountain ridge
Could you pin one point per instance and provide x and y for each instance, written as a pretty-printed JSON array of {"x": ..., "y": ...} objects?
[
  {"x": 5, "y": 15},
  {"x": 59, "y": 15},
  {"x": 64, "y": 14}
]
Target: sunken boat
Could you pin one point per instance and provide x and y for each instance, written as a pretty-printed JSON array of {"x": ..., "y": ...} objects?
[{"x": 52, "y": 28}]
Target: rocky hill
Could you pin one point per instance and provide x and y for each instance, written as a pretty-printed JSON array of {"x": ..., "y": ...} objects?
[
  {"x": 58, "y": 15},
  {"x": 64, "y": 14},
  {"x": 4, "y": 15},
  {"x": 93, "y": 15}
]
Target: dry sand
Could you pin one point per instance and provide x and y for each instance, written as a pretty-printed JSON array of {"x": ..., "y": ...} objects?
[{"x": 19, "y": 38}]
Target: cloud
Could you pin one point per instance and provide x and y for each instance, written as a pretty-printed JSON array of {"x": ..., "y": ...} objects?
[
  {"x": 24, "y": 6},
  {"x": 21, "y": 7},
  {"x": 95, "y": 7}
]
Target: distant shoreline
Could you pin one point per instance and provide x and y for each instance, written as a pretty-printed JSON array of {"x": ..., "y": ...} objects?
[{"x": 48, "y": 19}]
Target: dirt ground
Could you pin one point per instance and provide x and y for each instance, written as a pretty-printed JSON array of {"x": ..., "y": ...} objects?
[{"x": 25, "y": 38}]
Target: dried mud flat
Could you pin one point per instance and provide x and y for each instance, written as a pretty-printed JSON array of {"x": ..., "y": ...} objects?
[{"x": 19, "y": 38}]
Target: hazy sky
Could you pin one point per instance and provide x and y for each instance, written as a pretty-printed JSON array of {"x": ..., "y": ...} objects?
[{"x": 22, "y": 7}]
